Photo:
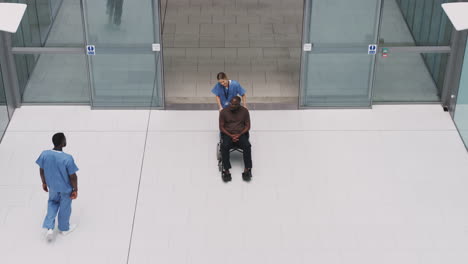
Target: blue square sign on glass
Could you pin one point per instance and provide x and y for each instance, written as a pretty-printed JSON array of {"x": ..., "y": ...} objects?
[
  {"x": 90, "y": 50},
  {"x": 372, "y": 49}
]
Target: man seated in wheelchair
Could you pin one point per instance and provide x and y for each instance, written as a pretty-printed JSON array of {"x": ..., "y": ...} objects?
[{"x": 234, "y": 123}]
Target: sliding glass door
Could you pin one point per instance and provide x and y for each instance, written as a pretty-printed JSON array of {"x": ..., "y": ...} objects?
[
  {"x": 125, "y": 69},
  {"x": 337, "y": 59}
]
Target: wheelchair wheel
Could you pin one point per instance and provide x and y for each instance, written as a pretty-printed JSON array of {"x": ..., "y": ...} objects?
[
  {"x": 220, "y": 166},
  {"x": 218, "y": 152}
]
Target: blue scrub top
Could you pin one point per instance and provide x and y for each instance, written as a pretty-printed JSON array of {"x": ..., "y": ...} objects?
[
  {"x": 226, "y": 94},
  {"x": 57, "y": 166}
]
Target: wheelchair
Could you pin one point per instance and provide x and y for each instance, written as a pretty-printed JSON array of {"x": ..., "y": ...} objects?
[{"x": 218, "y": 151}]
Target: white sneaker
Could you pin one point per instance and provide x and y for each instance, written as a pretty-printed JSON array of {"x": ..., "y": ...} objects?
[
  {"x": 71, "y": 229},
  {"x": 49, "y": 235}
]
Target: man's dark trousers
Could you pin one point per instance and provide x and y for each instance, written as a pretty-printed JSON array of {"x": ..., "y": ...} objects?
[{"x": 243, "y": 144}]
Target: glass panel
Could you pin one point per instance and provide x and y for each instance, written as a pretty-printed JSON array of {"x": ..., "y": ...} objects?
[
  {"x": 4, "y": 119},
  {"x": 426, "y": 27},
  {"x": 58, "y": 78},
  {"x": 404, "y": 6},
  {"x": 125, "y": 70},
  {"x": 43, "y": 18},
  {"x": 406, "y": 77},
  {"x": 30, "y": 28},
  {"x": 67, "y": 30},
  {"x": 48, "y": 84},
  {"x": 337, "y": 72},
  {"x": 410, "y": 14},
  {"x": 28, "y": 34},
  {"x": 115, "y": 23},
  {"x": 123, "y": 79},
  {"x": 461, "y": 110},
  {"x": 415, "y": 22},
  {"x": 412, "y": 23},
  {"x": 24, "y": 66},
  {"x": 393, "y": 26},
  {"x": 418, "y": 19},
  {"x": 349, "y": 22},
  {"x": 55, "y": 4},
  {"x": 337, "y": 80}
]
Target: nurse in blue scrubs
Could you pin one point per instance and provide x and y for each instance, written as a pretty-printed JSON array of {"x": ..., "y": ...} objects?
[{"x": 227, "y": 89}]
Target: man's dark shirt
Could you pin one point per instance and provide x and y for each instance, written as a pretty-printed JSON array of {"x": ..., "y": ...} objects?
[{"x": 234, "y": 122}]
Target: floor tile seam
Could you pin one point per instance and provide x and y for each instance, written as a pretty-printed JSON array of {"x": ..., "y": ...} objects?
[
  {"x": 142, "y": 166},
  {"x": 77, "y": 131},
  {"x": 214, "y": 130},
  {"x": 309, "y": 130}
]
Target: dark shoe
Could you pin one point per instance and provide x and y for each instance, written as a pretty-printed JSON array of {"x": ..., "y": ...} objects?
[
  {"x": 226, "y": 177},
  {"x": 247, "y": 176}
]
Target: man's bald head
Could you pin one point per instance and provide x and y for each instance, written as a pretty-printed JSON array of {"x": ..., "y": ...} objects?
[{"x": 235, "y": 103}]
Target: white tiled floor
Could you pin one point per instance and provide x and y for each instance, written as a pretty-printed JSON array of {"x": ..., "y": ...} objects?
[{"x": 386, "y": 185}]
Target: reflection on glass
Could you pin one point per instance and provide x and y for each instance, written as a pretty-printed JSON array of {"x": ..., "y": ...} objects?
[
  {"x": 350, "y": 22},
  {"x": 58, "y": 78},
  {"x": 415, "y": 22},
  {"x": 52, "y": 23},
  {"x": 28, "y": 34},
  {"x": 4, "y": 119},
  {"x": 406, "y": 77},
  {"x": 67, "y": 30},
  {"x": 114, "y": 11},
  {"x": 24, "y": 66},
  {"x": 461, "y": 110},
  {"x": 44, "y": 17},
  {"x": 115, "y": 23},
  {"x": 54, "y": 5},
  {"x": 412, "y": 23}
]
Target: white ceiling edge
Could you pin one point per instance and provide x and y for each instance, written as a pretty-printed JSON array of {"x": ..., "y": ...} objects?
[
  {"x": 458, "y": 14},
  {"x": 10, "y": 16}
]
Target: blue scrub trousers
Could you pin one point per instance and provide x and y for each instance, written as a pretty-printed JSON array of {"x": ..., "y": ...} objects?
[{"x": 58, "y": 202}]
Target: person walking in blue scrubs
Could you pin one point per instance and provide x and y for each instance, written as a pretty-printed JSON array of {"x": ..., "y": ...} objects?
[
  {"x": 59, "y": 179},
  {"x": 227, "y": 89}
]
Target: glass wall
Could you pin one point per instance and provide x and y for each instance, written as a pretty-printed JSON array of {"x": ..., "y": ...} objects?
[
  {"x": 429, "y": 26},
  {"x": 406, "y": 76},
  {"x": 4, "y": 118},
  {"x": 52, "y": 78},
  {"x": 336, "y": 72},
  {"x": 124, "y": 69},
  {"x": 35, "y": 31},
  {"x": 57, "y": 78},
  {"x": 461, "y": 109},
  {"x": 38, "y": 20},
  {"x": 425, "y": 19}
]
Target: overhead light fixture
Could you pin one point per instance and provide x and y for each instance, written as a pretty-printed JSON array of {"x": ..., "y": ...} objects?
[
  {"x": 458, "y": 14},
  {"x": 10, "y": 16}
]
